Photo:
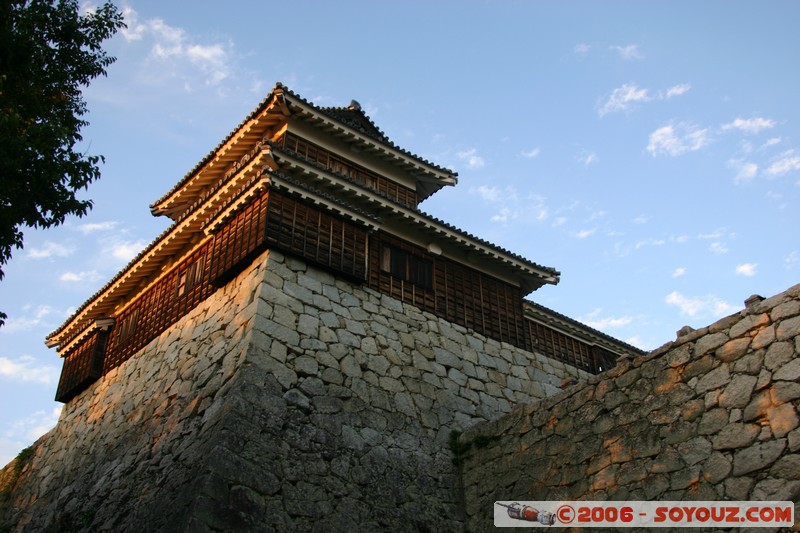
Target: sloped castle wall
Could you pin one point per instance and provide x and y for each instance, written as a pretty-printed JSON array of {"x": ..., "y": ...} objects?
[
  {"x": 711, "y": 416},
  {"x": 289, "y": 401}
]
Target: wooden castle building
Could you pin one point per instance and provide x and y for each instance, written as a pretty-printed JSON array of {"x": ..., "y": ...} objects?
[
  {"x": 298, "y": 348},
  {"x": 325, "y": 185}
]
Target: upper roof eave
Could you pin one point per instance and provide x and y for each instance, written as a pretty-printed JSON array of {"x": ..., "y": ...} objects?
[
  {"x": 572, "y": 326},
  {"x": 283, "y": 96}
]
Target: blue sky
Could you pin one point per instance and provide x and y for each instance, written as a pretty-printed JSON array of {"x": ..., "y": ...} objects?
[{"x": 649, "y": 151}]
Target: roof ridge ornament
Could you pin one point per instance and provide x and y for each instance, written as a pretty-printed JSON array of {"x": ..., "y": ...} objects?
[{"x": 354, "y": 105}]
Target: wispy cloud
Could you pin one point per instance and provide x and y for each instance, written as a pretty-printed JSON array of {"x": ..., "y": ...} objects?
[
  {"x": 587, "y": 158},
  {"x": 628, "y": 52},
  {"x": 750, "y": 126},
  {"x": 124, "y": 250},
  {"x": 787, "y": 162},
  {"x": 28, "y": 370},
  {"x": 176, "y": 55},
  {"x": 35, "y": 425},
  {"x": 747, "y": 269},
  {"x": 32, "y": 318},
  {"x": 594, "y": 320},
  {"x": 792, "y": 260},
  {"x": 641, "y": 219},
  {"x": 97, "y": 227},
  {"x": 677, "y": 90},
  {"x": 584, "y": 233},
  {"x": 745, "y": 171},
  {"x": 581, "y": 49},
  {"x": 709, "y": 305},
  {"x": 50, "y": 249},
  {"x": 77, "y": 277},
  {"x": 530, "y": 154},
  {"x": 622, "y": 98},
  {"x": 472, "y": 158},
  {"x": 678, "y": 272},
  {"x": 677, "y": 139},
  {"x": 628, "y": 95},
  {"x": 718, "y": 248}
]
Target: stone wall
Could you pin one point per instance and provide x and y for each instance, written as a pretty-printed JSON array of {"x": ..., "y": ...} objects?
[
  {"x": 290, "y": 400},
  {"x": 711, "y": 416}
]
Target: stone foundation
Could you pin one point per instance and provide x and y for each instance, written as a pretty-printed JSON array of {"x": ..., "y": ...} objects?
[
  {"x": 288, "y": 401},
  {"x": 711, "y": 416}
]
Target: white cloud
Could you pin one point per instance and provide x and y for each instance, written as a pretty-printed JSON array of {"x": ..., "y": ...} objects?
[
  {"x": 26, "y": 369},
  {"x": 678, "y": 272},
  {"x": 750, "y": 125},
  {"x": 677, "y": 139},
  {"x": 582, "y": 49},
  {"x": 625, "y": 97},
  {"x": 792, "y": 259},
  {"x": 747, "y": 269},
  {"x": 124, "y": 251},
  {"x": 34, "y": 426},
  {"x": 622, "y": 98},
  {"x": 678, "y": 90},
  {"x": 787, "y": 162},
  {"x": 29, "y": 320},
  {"x": 718, "y": 248},
  {"x": 495, "y": 194},
  {"x": 587, "y": 158},
  {"x": 630, "y": 51},
  {"x": 75, "y": 277},
  {"x": 531, "y": 153},
  {"x": 745, "y": 171},
  {"x": 771, "y": 142},
  {"x": 584, "y": 233},
  {"x": 50, "y": 249},
  {"x": 177, "y": 54},
  {"x": 22, "y": 433},
  {"x": 97, "y": 226},
  {"x": 649, "y": 242},
  {"x": 472, "y": 158},
  {"x": 708, "y": 305},
  {"x": 593, "y": 320},
  {"x": 641, "y": 219}
]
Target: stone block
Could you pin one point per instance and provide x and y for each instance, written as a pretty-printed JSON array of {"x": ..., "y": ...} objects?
[
  {"x": 714, "y": 379},
  {"x": 778, "y": 354},
  {"x": 788, "y": 329},
  {"x": 737, "y": 393},
  {"x": 788, "y": 372},
  {"x": 735, "y": 436},
  {"x": 708, "y": 343},
  {"x": 782, "y": 419}
]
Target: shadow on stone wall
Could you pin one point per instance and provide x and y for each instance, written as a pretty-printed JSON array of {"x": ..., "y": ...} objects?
[{"x": 710, "y": 416}]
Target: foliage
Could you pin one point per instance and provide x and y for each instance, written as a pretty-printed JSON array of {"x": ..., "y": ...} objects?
[
  {"x": 49, "y": 51},
  {"x": 461, "y": 447}
]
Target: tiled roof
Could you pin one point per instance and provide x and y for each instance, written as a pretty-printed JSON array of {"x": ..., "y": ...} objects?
[
  {"x": 580, "y": 326},
  {"x": 351, "y": 116}
]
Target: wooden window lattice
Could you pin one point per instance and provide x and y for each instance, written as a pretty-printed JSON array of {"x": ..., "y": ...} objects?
[
  {"x": 561, "y": 347},
  {"x": 316, "y": 154},
  {"x": 82, "y": 366},
  {"x": 322, "y": 238}
]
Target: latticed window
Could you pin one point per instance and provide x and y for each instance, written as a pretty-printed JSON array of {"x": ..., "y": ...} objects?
[
  {"x": 82, "y": 366},
  {"x": 327, "y": 240},
  {"x": 407, "y": 266},
  {"x": 356, "y": 173}
]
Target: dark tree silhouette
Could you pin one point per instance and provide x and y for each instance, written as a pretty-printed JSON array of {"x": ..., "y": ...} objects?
[{"x": 49, "y": 51}]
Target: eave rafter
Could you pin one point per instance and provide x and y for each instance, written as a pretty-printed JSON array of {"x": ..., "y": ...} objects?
[
  {"x": 330, "y": 181},
  {"x": 426, "y": 173},
  {"x": 251, "y": 132},
  {"x": 155, "y": 261}
]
